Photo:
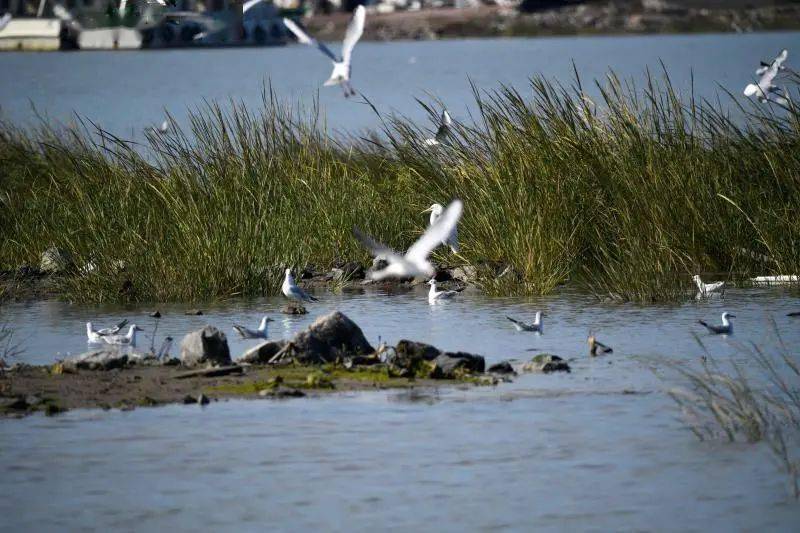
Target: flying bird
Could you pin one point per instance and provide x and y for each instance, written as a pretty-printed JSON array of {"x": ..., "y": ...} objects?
[
  {"x": 260, "y": 333},
  {"x": 341, "y": 65},
  {"x": 765, "y": 90},
  {"x": 596, "y": 347},
  {"x": 451, "y": 240},
  {"x": 436, "y": 295},
  {"x": 442, "y": 132},
  {"x": 707, "y": 288},
  {"x": 777, "y": 62},
  {"x": 292, "y": 291},
  {"x": 414, "y": 263},
  {"x": 537, "y": 325},
  {"x": 725, "y": 328}
]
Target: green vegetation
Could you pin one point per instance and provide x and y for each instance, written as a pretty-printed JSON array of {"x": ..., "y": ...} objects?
[{"x": 627, "y": 197}]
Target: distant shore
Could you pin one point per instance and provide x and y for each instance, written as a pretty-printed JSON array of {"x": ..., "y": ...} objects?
[{"x": 583, "y": 19}]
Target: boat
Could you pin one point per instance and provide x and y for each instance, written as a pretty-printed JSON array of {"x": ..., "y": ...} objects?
[{"x": 38, "y": 34}]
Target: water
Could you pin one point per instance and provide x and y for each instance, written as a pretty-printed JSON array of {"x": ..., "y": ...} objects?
[
  {"x": 127, "y": 92},
  {"x": 567, "y": 451}
]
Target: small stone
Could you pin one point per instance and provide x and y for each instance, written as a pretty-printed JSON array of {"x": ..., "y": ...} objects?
[
  {"x": 195, "y": 312},
  {"x": 155, "y": 314},
  {"x": 293, "y": 308},
  {"x": 189, "y": 399},
  {"x": 503, "y": 367}
]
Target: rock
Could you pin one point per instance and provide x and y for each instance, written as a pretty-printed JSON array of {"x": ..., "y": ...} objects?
[
  {"x": 95, "y": 360},
  {"x": 194, "y": 312},
  {"x": 503, "y": 367},
  {"x": 352, "y": 270},
  {"x": 282, "y": 392},
  {"x": 189, "y": 399},
  {"x": 330, "y": 337},
  {"x": 261, "y": 354},
  {"x": 203, "y": 399},
  {"x": 449, "y": 365},
  {"x": 546, "y": 363},
  {"x": 28, "y": 272},
  {"x": 442, "y": 276},
  {"x": 318, "y": 380},
  {"x": 465, "y": 273},
  {"x": 412, "y": 359},
  {"x": 207, "y": 345},
  {"x": 55, "y": 261},
  {"x": 294, "y": 308},
  {"x": 155, "y": 314}
]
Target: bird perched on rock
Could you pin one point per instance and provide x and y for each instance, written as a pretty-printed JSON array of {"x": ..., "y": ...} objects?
[
  {"x": 292, "y": 291},
  {"x": 260, "y": 333},
  {"x": 536, "y": 325},
  {"x": 596, "y": 347},
  {"x": 725, "y": 328}
]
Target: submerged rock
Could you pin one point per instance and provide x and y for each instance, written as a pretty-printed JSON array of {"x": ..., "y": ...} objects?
[
  {"x": 546, "y": 363},
  {"x": 423, "y": 360},
  {"x": 207, "y": 345},
  {"x": 95, "y": 360},
  {"x": 261, "y": 354},
  {"x": 503, "y": 367},
  {"x": 450, "y": 364},
  {"x": 294, "y": 308},
  {"x": 330, "y": 337}
]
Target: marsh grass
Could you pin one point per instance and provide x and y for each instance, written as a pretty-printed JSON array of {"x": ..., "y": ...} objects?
[
  {"x": 627, "y": 196},
  {"x": 758, "y": 400}
]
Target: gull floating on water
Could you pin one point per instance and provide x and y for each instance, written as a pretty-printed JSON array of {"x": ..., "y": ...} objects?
[
  {"x": 124, "y": 340},
  {"x": 596, "y": 347},
  {"x": 707, "y": 288},
  {"x": 260, "y": 333},
  {"x": 292, "y": 291},
  {"x": 537, "y": 325},
  {"x": 4, "y": 20},
  {"x": 765, "y": 90},
  {"x": 95, "y": 336},
  {"x": 415, "y": 261},
  {"x": 726, "y": 327},
  {"x": 442, "y": 132},
  {"x": 341, "y": 66},
  {"x": 437, "y": 296},
  {"x": 451, "y": 240}
]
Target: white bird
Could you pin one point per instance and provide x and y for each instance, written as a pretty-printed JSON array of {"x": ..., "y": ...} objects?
[
  {"x": 95, "y": 336},
  {"x": 778, "y": 62},
  {"x": 437, "y": 296},
  {"x": 260, "y": 333},
  {"x": 341, "y": 66},
  {"x": 765, "y": 90},
  {"x": 537, "y": 325},
  {"x": 707, "y": 288},
  {"x": 442, "y": 132},
  {"x": 451, "y": 240},
  {"x": 415, "y": 261},
  {"x": 164, "y": 127},
  {"x": 127, "y": 339},
  {"x": 4, "y": 20},
  {"x": 725, "y": 328},
  {"x": 292, "y": 291}
]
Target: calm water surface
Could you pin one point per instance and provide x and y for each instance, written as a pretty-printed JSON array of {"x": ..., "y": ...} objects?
[
  {"x": 125, "y": 92},
  {"x": 570, "y": 451}
]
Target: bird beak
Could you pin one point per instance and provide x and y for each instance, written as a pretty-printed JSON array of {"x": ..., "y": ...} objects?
[
  {"x": 426, "y": 211},
  {"x": 270, "y": 320},
  {"x": 139, "y": 329},
  {"x": 731, "y": 316}
]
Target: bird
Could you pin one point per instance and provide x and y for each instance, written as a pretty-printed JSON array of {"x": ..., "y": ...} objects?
[
  {"x": 765, "y": 90},
  {"x": 163, "y": 352},
  {"x": 163, "y": 127},
  {"x": 96, "y": 336},
  {"x": 415, "y": 261},
  {"x": 437, "y": 296},
  {"x": 4, "y": 20},
  {"x": 537, "y": 325},
  {"x": 292, "y": 291},
  {"x": 707, "y": 288},
  {"x": 127, "y": 339},
  {"x": 260, "y": 333},
  {"x": 596, "y": 346},
  {"x": 341, "y": 66},
  {"x": 725, "y": 328},
  {"x": 442, "y": 132},
  {"x": 451, "y": 240},
  {"x": 793, "y": 313}
]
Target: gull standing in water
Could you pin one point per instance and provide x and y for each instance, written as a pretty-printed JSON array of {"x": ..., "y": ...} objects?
[
  {"x": 437, "y": 296},
  {"x": 260, "y": 333},
  {"x": 596, "y": 347},
  {"x": 707, "y": 288},
  {"x": 341, "y": 66},
  {"x": 129, "y": 339},
  {"x": 442, "y": 132},
  {"x": 537, "y": 325},
  {"x": 451, "y": 240},
  {"x": 764, "y": 90},
  {"x": 292, "y": 291},
  {"x": 725, "y": 328},
  {"x": 415, "y": 261}
]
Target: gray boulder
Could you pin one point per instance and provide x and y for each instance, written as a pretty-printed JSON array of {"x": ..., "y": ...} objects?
[
  {"x": 207, "y": 345},
  {"x": 55, "y": 261},
  {"x": 328, "y": 338},
  {"x": 96, "y": 360},
  {"x": 450, "y": 364},
  {"x": 261, "y": 354},
  {"x": 503, "y": 367},
  {"x": 546, "y": 363}
]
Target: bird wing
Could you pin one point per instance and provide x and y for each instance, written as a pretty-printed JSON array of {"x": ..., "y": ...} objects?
[
  {"x": 782, "y": 57},
  {"x": 4, "y": 20},
  {"x": 376, "y": 249},
  {"x": 436, "y": 233},
  {"x": 517, "y": 322},
  {"x": 751, "y": 89},
  {"x": 444, "y": 127},
  {"x": 305, "y": 38},
  {"x": 353, "y": 34}
]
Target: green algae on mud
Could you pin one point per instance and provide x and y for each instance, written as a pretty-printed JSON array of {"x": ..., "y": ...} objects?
[{"x": 626, "y": 197}]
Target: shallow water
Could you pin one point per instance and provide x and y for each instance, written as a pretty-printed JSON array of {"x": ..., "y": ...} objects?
[
  {"x": 598, "y": 449},
  {"x": 125, "y": 92}
]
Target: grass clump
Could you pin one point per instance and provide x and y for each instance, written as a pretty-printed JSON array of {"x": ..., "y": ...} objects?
[{"x": 626, "y": 197}]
